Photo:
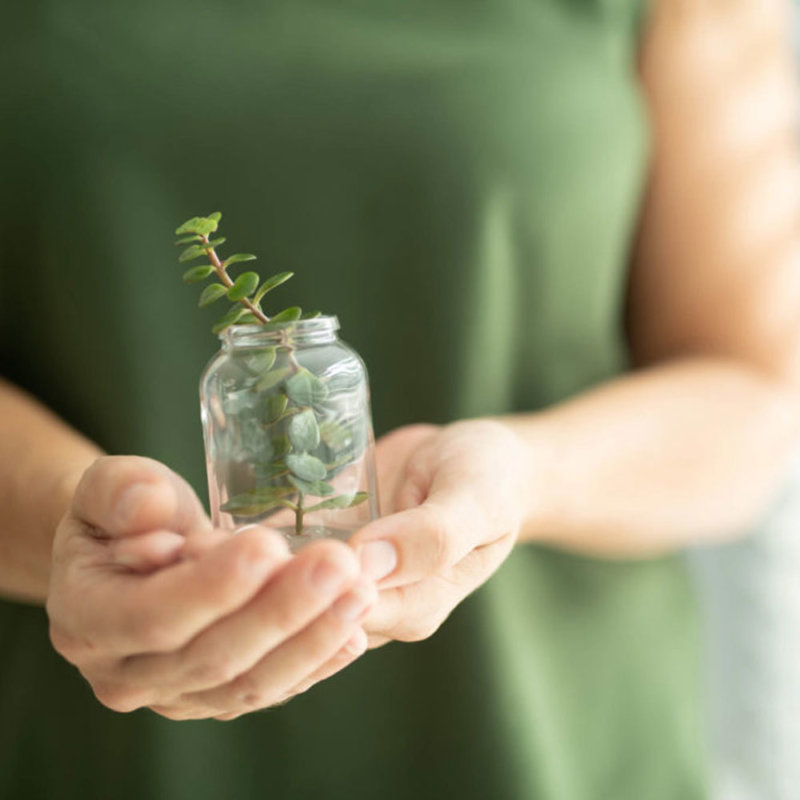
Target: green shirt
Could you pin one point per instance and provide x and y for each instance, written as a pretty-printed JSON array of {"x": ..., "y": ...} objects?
[{"x": 459, "y": 182}]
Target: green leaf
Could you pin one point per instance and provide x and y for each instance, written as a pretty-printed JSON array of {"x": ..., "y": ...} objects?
[
  {"x": 215, "y": 217},
  {"x": 199, "y": 273},
  {"x": 271, "y": 283},
  {"x": 334, "y": 435},
  {"x": 312, "y": 314},
  {"x": 211, "y": 293},
  {"x": 276, "y": 407},
  {"x": 281, "y": 445},
  {"x": 341, "y": 501},
  {"x": 305, "y": 389},
  {"x": 200, "y": 225},
  {"x": 248, "y": 318},
  {"x": 288, "y": 315},
  {"x": 259, "y": 501},
  {"x": 261, "y": 361},
  {"x": 303, "y": 431},
  {"x": 238, "y": 257},
  {"x": 272, "y": 379},
  {"x": 243, "y": 286},
  {"x": 269, "y": 471},
  {"x": 187, "y": 239},
  {"x": 314, "y": 488},
  {"x": 229, "y": 319},
  {"x": 216, "y": 242},
  {"x": 195, "y": 251},
  {"x": 260, "y": 493},
  {"x": 306, "y": 467}
]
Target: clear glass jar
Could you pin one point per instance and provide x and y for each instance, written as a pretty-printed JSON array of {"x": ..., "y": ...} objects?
[{"x": 288, "y": 431}]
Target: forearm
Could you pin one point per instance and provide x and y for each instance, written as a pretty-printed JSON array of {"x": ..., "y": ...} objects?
[
  {"x": 41, "y": 461},
  {"x": 677, "y": 454}
]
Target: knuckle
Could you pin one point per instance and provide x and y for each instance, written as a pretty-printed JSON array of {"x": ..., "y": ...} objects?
[
  {"x": 64, "y": 644},
  {"x": 76, "y": 649},
  {"x": 283, "y": 619},
  {"x": 151, "y": 635},
  {"x": 177, "y": 714},
  {"x": 212, "y": 672},
  {"x": 419, "y": 630},
  {"x": 228, "y": 717},
  {"x": 250, "y": 693},
  {"x": 119, "y": 698},
  {"x": 441, "y": 539}
]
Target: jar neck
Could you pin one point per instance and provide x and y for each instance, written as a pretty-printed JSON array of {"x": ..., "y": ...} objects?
[{"x": 319, "y": 330}]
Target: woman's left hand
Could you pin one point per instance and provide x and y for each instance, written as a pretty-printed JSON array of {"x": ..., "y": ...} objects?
[{"x": 454, "y": 497}]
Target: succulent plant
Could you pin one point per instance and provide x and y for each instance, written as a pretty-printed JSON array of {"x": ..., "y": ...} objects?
[{"x": 288, "y": 468}]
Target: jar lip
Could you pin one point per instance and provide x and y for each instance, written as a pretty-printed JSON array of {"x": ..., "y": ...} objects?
[{"x": 324, "y": 324}]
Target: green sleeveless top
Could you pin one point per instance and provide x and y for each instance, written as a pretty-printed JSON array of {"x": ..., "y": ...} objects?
[{"x": 459, "y": 183}]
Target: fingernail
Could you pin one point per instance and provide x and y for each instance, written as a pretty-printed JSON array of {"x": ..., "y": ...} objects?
[
  {"x": 378, "y": 559},
  {"x": 327, "y": 577},
  {"x": 129, "y": 502},
  {"x": 351, "y": 606}
]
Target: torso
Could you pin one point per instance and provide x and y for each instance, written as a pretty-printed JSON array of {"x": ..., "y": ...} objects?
[{"x": 458, "y": 182}]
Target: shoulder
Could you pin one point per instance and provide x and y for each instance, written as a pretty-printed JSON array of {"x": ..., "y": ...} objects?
[{"x": 715, "y": 30}]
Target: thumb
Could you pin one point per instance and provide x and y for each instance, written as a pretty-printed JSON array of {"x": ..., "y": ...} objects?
[
  {"x": 420, "y": 542},
  {"x": 123, "y": 496}
]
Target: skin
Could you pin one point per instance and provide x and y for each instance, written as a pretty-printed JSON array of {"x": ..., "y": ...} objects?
[{"x": 686, "y": 448}]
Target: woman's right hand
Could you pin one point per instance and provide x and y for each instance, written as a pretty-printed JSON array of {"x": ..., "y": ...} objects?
[{"x": 232, "y": 624}]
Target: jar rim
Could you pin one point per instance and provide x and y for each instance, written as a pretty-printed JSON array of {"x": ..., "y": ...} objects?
[{"x": 323, "y": 324}]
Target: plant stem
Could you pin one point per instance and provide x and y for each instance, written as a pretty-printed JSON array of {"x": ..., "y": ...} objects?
[
  {"x": 298, "y": 518},
  {"x": 219, "y": 268}
]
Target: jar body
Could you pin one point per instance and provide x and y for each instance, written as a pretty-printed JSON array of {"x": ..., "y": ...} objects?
[{"x": 288, "y": 432}]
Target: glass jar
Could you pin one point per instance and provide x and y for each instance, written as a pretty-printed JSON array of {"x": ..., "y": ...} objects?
[{"x": 288, "y": 431}]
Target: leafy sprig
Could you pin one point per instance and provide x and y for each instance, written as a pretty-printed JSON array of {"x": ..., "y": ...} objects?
[
  {"x": 246, "y": 291},
  {"x": 293, "y": 416}
]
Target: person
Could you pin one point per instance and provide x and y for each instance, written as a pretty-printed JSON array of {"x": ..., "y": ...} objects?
[{"x": 564, "y": 238}]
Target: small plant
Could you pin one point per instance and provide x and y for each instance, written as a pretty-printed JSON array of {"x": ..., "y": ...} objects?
[{"x": 287, "y": 464}]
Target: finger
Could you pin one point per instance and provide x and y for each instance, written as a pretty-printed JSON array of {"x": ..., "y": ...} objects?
[
  {"x": 412, "y": 613},
  {"x": 297, "y": 594},
  {"x": 271, "y": 680},
  {"x": 147, "y": 551},
  {"x": 202, "y": 541},
  {"x": 415, "y": 612},
  {"x": 415, "y": 544},
  {"x": 354, "y": 647},
  {"x": 125, "y": 495},
  {"x": 392, "y": 453},
  {"x": 163, "y": 611}
]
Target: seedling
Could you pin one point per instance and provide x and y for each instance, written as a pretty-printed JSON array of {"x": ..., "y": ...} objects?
[{"x": 293, "y": 398}]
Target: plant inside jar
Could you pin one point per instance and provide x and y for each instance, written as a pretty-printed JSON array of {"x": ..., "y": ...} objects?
[{"x": 297, "y": 447}]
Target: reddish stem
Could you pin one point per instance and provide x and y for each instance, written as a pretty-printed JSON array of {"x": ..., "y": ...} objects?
[{"x": 219, "y": 268}]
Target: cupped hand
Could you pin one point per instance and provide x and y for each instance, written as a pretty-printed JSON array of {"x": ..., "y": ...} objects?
[
  {"x": 454, "y": 502},
  {"x": 157, "y": 609}
]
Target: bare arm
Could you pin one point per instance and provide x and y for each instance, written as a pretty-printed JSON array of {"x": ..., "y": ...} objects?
[
  {"x": 41, "y": 462},
  {"x": 690, "y": 446}
]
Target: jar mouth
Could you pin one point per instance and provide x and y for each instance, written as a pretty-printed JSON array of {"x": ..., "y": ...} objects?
[{"x": 319, "y": 328}]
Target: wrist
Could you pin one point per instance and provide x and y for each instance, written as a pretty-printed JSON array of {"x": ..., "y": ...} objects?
[{"x": 535, "y": 465}]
